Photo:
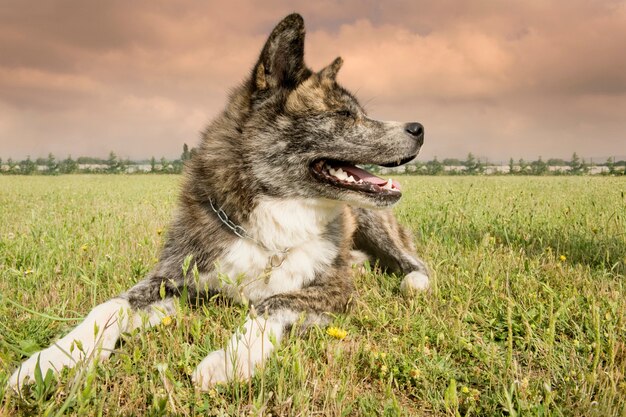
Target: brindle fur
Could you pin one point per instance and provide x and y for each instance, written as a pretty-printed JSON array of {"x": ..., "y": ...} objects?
[{"x": 275, "y": 124}]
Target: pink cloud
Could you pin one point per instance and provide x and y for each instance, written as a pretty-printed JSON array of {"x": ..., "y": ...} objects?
[{"x": 499, "y": 79}]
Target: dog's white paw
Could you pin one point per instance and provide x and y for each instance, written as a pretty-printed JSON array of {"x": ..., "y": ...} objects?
[
  {"x": 224, "y": 366},
  {"x": 94, "y": 338},
  {"x": 212, "y": 370},
  {"x": 51, "y": 358},
  {"x": 413, "y": 283}
]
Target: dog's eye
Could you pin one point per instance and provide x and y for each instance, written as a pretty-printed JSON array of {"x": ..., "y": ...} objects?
[{"x": 345, "y": 113}]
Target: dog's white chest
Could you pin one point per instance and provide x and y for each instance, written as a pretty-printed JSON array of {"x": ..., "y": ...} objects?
[{"x": 295, "y": 226}]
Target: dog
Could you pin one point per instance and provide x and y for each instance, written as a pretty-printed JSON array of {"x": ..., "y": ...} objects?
[{"x": 273, "y": 212}]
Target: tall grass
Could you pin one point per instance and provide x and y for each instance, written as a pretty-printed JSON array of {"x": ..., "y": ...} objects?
[{"x": 526, "y": 315}]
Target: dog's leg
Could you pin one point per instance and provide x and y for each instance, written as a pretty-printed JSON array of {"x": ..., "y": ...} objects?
[
  {"x": 250, "y": 346},
  {"x": 381, "y": 237},
  {"x": 95, "y": 337}
]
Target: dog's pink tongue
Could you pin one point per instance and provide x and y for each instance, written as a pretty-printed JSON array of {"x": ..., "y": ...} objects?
[{"x": 366, "y": 176}]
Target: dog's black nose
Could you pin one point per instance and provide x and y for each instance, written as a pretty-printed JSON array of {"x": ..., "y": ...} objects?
[{"x": 416, "y": 130}]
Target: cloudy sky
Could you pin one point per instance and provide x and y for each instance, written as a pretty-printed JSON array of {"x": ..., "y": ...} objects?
[{"x": 521, "y": 78}]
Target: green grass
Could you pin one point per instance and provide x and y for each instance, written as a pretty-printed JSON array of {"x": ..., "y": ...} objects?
[{"x": 508, "y": 328}]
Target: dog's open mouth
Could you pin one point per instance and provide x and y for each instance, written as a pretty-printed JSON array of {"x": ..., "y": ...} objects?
[{"x": 346, "y": 175}]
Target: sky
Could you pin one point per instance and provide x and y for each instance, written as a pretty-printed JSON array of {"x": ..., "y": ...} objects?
[{"x": 500, "y": 79}]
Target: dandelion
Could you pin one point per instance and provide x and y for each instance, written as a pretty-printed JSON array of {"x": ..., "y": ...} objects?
[
  {"x": 465, "y": 390},
  {"x": 562, "y": 258},
  {"x": 383, "y": 369},
  {"x": 159, "y": 231},
  {"x": 166, "y": 320},
  {"x": 394, "y": 339},
  {"x": 415, "y": 373},
  {"x": 337, "y": 332},
  {"x": 28, "y": 272},
  {"x": 84, "y": 247}
]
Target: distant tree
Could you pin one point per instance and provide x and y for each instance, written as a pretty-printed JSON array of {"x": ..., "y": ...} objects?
[
  {"x": 51, "y": 165},
  {"x": 557, "y": 162},
  {"x": 88, "y": 160},
  {"x": 577, "y": 165},
  {"x": 0, "y": 165},
  {"x": 177, "y": 166},
  {"x": 152, "y": 164},
  {"x": 610, "y": 164},
  {"x": 11, "y": 164},
  {"x": 40, "y": 161},
  {"x": 538, "y": 167},
  {"x": 186, "y": 155},
  {"x": 434, "y": 167},
  {"x": 68, "y": 166},
  {"x": 122, "y": 165},
  {"x": 473, "y": 165},
  {"x": 368, "y": 167},
  {"x": 523, "y": 166},
  {"x": 451, "y": 162},
  {"x": 414, "y": 166},
  {"x": 164, "y": 164},
  {"x": 511, "y": 166},
  {"x": 112, "y": 163},
  {"x": 27, "y": 166}
]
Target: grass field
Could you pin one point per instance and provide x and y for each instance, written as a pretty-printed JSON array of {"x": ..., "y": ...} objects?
[{"x": 526, "y": 316}]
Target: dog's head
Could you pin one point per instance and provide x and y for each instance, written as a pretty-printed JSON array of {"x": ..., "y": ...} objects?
[{"x": 304, "y": 134}]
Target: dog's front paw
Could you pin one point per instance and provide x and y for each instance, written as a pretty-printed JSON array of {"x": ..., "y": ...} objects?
[
  {"x": 413, "y": 283},
  {"x": 212, "y": 370},
  {"x": 51, "y": 358}
]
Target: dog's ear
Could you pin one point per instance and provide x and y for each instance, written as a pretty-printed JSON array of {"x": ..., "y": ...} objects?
[
  {"x": 281, "y": 63},
  {"x": 330, "y": 72}
]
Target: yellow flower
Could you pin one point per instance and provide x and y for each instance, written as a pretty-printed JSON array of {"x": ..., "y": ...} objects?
[
  {"x": 415, "y": 373},
  {"x": 337, "y": 332},
  {"x": 28, "y": 271},
  {"x": 562, "y": 258},
  {"x": 166, "y": 320},
  {"x": 383, "y": 369},
  {"x": 159, "y": 231},
  {"x": 465, "y": 390},
  {"x": 84, "y": 247}
]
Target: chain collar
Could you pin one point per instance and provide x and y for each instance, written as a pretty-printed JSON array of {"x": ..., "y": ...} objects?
[{"x": 278, "y": 255}]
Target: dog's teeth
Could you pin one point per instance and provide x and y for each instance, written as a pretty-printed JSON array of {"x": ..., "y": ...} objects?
[
  {"x": 332, "y": 171},
  {"x": 341, "y": 174},
  {"x": 389, "y": 185},
  {"x": 360, "y": 181},
  {"x": 398, "y": 161},
  {"x": 351, "y": 179}
]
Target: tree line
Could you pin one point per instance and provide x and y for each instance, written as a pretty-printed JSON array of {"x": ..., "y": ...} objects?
[
  {"x": 471, "y": 165},
  {"x": 87, "y": 164},
  {"x": 475, "y": 166}
]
